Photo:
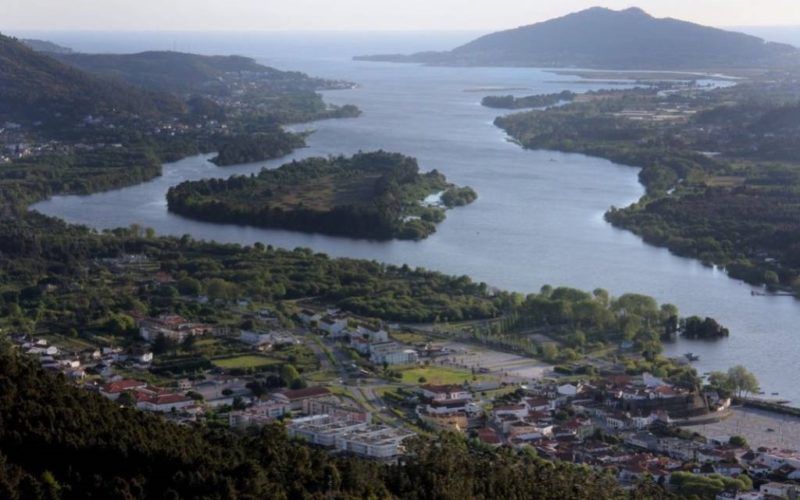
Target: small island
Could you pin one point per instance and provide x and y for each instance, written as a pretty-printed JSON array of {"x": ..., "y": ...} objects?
[
  {"x": 377, "y": 195},
  {"x": 696, "y": 328},
  {"x": 531, "y": 101}
]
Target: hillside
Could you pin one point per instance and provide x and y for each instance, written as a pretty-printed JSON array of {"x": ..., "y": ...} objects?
[
  {"x": 180, "y": 72},
  {"x": 34, "y": 86},
  {"x": 604, "y": 38}
]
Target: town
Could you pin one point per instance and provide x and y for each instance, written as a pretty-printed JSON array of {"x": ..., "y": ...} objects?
[{"x": 357, "y": 385}]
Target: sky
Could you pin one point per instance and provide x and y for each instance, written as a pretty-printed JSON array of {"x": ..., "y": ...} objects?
[{"x": 357, "y": 15}]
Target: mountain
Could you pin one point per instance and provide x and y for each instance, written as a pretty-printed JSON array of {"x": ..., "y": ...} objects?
[
  {"x": 34, "y": 86},
  {"x": 608, "y": 39},
  {"x": 45, "y": 46},
  {"x": 185, "y": 73}
]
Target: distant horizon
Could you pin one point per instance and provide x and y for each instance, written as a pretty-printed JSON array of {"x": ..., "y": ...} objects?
[
  {"x": 363, "y": 15},
  {"x": 788, "y": 34},
  {"x": 433, "y": 30}
]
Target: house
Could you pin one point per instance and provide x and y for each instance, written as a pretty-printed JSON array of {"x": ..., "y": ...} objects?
[
  {"x": 539, "y": 404},
  {"x": 307, "y": 316},
  {"x": 259, "y": 414},
  {"x": 568, "y": 390},
  {"x": 256, "y": 339},
  {"x": 780, "y": 490},
  {"x": 444, "y": 392},
  {"x": 332, "y": 325},
  {"x": 112, "y": 390},
  {"x": 517, "y": 410},
  {"x": 296, "y": 397},
  {"x": 160, "y": 400},
  {"x": 172, "y": 326},
  {"x": 488, "y": 436},
  {"x": 775, "y": 458}
]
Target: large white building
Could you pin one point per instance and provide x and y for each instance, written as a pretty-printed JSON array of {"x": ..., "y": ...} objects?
[{"x": 359, "y": 438}]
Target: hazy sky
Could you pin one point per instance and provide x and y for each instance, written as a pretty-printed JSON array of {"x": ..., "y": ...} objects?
[{"x": 361, "y": 14}]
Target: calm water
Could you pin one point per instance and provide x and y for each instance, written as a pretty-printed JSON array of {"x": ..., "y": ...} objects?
[{"x": 539, "y": 218}]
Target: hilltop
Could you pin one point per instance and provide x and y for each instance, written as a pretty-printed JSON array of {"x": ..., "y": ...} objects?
[{"x": 609, "y": 39}]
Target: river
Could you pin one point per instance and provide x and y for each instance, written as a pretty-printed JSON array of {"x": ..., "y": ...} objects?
[{"x": 539, "y": 216}]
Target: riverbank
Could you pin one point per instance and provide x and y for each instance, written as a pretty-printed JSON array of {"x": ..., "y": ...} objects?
[{"x": 696, "y": 203}]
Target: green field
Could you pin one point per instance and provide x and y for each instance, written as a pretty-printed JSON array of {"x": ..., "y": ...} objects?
[
  {"x": 438, "y": 375},
  {"x": 245, "y": 361}
]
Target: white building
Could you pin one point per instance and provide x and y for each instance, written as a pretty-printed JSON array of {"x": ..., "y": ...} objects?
[
  {"x": 259, "y": 414},
  {"x": 392, "y": 353},
  {"x": 444, "y": 392},
  {"x": 372, "y": 336},
  {"x": 334, "y": 326},
  {"x": 359, "y": 438}
]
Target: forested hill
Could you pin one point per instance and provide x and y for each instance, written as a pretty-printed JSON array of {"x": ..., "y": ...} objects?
[
  {"x": 180, "y": 72},
  {"x": 608, "y": 39},
  {"x": 34, "y": 86},
  {"x": 58, "y": 441}
]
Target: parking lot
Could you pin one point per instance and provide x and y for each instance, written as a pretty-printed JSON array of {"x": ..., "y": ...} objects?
[{"x": 504, "y": 365}]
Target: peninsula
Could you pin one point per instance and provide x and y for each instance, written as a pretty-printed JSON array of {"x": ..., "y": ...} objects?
[{"x": 376, "y": 195}]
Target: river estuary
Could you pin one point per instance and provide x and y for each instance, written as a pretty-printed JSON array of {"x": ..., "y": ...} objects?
[{"x": 539, "y": 216}]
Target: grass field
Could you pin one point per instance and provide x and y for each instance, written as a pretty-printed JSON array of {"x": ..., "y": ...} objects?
[
  {"x": 438, "y": 375},
  {"x": 245, "y": 361},
  {"x": 409, "y": 337}
]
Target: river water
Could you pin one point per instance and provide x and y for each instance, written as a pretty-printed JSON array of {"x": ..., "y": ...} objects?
[{"x": 539, "y": 216}]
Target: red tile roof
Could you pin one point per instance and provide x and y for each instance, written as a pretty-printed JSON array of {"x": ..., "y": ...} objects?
[{"x": 122, "y": 386}]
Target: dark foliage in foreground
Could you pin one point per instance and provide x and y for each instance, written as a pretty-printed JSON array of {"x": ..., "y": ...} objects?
[{"x": 58, "y": 441}]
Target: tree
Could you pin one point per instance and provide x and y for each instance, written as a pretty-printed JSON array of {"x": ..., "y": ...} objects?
[
  {"x": 126, "y": 399},
  {"x": 289, "y": 374},
  {"x": 738, "y": 441},
  {"x": 550, "y": 352},
  {"x": 189, "y": 286},
  {"x": 219, "y": 289},
  {"x": 742, "y": 381},
  {"x": 161, "y": 344},
  {"x": 188, "y": 343}
]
